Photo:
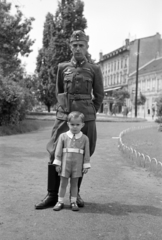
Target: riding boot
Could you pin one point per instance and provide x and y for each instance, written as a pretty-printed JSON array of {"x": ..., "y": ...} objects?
[{"x": 52, "y": 187}]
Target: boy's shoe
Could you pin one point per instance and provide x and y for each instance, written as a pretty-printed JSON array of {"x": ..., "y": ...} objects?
[
  {"x": 74, "y": 206},
  {"x": 80, "y": 201},
  {"x": 58, "y": 206}
]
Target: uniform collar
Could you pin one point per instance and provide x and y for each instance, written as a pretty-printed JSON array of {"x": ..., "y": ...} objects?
[
  {"x": 74, "y": 62},
  {"x": 77, "y": 136}
]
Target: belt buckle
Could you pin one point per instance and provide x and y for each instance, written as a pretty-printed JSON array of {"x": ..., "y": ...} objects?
[{"x": 75, "y": 97}]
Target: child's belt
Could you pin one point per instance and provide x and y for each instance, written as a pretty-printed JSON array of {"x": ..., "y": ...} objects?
[{"x": 76, "y": 150}]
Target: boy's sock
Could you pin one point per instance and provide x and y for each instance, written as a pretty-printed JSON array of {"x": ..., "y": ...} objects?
[
  {"x": 61, "y": 199},
  {"x": 73, "y": 199}
]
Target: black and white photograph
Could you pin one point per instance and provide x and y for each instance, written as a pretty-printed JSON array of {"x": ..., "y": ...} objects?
[{"x": 80, "y": 119}]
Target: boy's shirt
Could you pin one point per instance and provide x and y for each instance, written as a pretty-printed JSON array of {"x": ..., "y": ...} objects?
[{"x": 73, "y": 147}]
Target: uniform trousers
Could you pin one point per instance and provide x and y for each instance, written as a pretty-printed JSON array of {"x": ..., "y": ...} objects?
[{"x": 60, "y": 126}]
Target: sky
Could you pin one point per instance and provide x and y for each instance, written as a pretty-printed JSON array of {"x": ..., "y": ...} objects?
[{"x": 109, "y": 22}]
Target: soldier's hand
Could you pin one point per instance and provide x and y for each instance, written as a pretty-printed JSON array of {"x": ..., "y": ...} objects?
[
  {"x": 58, "y": 169},
  {"x": 85, "y": 170}
]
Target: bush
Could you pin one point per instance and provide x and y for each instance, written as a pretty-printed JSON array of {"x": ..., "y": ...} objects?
[
  {"x": 14, "y": 102},
  {"x": 159, "y": 106},
  {"x": 159, "y": 120}
]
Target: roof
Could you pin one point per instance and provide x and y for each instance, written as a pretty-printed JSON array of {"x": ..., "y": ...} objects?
[
  {"x": 153, "y": 66},
  {"x": 114, "y": 53}
]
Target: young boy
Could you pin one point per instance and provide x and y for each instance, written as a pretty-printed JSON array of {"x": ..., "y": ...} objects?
[{"x": 72, "y": 158}]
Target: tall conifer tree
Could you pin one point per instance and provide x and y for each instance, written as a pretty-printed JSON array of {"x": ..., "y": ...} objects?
[{"x": 56, "y": 35}]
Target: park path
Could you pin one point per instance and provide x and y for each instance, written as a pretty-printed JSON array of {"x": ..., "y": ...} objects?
[{"x": 123, "y": 202}]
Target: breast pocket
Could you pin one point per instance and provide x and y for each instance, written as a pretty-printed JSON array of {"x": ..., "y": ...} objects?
[
  {"x": 88, "y": 83},
  {"x": 68, "y": 79}
]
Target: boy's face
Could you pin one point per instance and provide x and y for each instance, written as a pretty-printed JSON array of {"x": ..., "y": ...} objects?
[{"x": 75, "y": 125}]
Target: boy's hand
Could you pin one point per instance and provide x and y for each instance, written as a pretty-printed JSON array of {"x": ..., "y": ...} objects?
[
  {"x": 85, "y": 170},
  {"x": 58, "y": 169}
]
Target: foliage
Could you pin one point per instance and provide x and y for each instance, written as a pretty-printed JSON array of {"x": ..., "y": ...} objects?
[
  {"x": 15, "y": 96},
  {"x": 14, "y": 37},
  {"x": 159, "y": 106},
  {"x": 14, "y": 101},
  {"x": 57, "y": 31},
  {"x": 120, "y": 96},
  {"x": 10, "y": 101},
  {"x": 159, "y": 119},
  {"x": 141, "y": 99}
]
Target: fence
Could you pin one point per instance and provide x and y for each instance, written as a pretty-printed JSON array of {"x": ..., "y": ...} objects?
[{"x": 138, "y": 158}]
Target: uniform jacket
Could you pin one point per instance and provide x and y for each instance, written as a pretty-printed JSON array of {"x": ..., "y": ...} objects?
[
  {"x": 79, "y": 88},
  {"x": 66, "y": 141}
]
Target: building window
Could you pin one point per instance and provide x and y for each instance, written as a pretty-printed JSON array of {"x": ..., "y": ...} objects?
[
  {"x": 125, "y": 65},
  {"x": 121, "y": 63},
  {"x": 106, "y": 81},
  {"x": 108, "y": 67},
  {"x": 124, "y": 78},
  {"x": 114, "y": 78},
  {"x": 148, "y": 84},
  {"x": 159, "y": 84},
  {"x": 121, "y": 77},
  {"x": 111, "y": 66},
  {"x": 111, "y": 80},
  {"x": 115, "y": 66},
  {"x": 143, "y": 85},
  {"x": 118, "y": 65},
  {"x": 153, "y": 83},
  {"x": 117, "y": 78}
]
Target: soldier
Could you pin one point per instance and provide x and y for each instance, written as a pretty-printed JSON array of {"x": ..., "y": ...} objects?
[{"x": 79, "y": 87}]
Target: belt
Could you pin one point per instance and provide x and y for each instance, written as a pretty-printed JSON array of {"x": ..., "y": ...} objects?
[
  {"x": 76, "y": 150},
  {"x": 80, "y": 96}
]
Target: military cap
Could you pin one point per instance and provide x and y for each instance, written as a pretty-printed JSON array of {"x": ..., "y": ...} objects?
[{"x": 79, "y": 35}]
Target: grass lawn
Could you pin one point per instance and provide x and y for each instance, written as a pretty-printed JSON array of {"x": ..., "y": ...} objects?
[
  {"x": 147, "y": 141},
  {"x": 24, "y": 127}
]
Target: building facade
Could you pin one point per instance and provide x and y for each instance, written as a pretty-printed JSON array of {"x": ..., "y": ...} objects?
[
  {"x": 117, "y": 65},
  {"x": 149, "y": 85}
]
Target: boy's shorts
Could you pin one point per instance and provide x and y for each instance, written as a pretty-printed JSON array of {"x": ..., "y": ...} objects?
[{"x": 72, "y": 165}]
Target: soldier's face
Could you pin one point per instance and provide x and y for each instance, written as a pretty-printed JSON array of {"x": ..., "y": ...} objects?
[{"x": 79, "y": 49}]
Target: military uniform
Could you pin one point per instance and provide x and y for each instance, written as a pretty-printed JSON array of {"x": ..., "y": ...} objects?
[{"x": 79, "y": 87}]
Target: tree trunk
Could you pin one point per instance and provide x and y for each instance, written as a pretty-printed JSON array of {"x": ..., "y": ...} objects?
[{"x": 49, "y": 108}]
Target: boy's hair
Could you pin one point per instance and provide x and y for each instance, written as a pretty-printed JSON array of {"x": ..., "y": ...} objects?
[{"x": 75, "y": 114}]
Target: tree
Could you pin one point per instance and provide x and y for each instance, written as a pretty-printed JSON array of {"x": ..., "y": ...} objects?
[
  {"x": 56, "y": 35},
  {"x": 159, "y": 105},
  {"x": 15, "y": 96},
  {"x": 46, "y": 76},
  {"x": 141, "y": 99},
  {"x": 120, "y": 96},
  {"x": 14, "y": 37}
]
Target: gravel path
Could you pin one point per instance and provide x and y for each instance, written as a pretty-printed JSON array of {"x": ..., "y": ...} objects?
[{"x": 122, "y": 202}]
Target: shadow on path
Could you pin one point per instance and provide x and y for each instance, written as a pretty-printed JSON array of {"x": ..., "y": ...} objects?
[{"x": 121, "y": 209}]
